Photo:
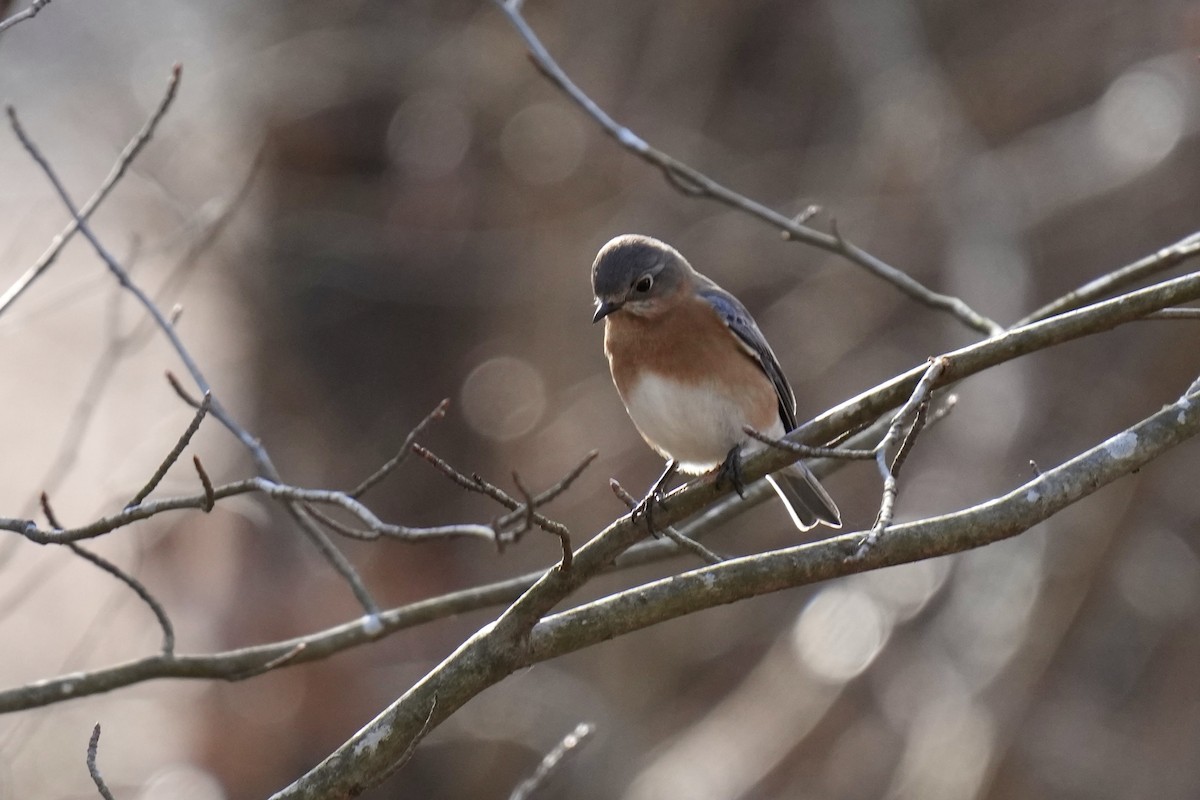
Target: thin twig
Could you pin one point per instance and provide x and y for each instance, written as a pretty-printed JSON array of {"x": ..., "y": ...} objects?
[
  {"x": 671, "y": 532},
  {"x": 406, "y": 448},
  {"x": 531, "y": 504},
  {"x": 475, "y": 483},
  {"x": 407, "y": 755},
  {"x": 1093, "y": 290},
  {"x": 692, "y": 182},
  {"x": 810, "y": 452},
  {"x": 93, "y": 770},
  {"x": 210, "y": 499},
  {"x": 1175, "y": 313},
  {"x": 21, "y": 16},
  {"x": 160, "y": 613},
  {"x": 278, "y": 491},
  {"x": 554, "y": 491},
  {"x": 48, "y": 512},
  {"x": 176, "y": 451},
  {"x": 910, "y": 438},
  {"x": 183, "y": 393},
  {"x": 893, "y": 449},
  {"x": 570, "y": 744},
  {"x": 115, "y": 174}
]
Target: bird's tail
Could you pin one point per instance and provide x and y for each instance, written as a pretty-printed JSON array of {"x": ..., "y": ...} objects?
[{"x": 805, "y": 498}]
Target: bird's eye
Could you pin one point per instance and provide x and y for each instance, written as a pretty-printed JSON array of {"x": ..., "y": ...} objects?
[{"x": 643, "y": 285}]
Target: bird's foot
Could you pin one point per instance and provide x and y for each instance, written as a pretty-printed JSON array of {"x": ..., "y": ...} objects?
[
  {"x": 730, "y": 471},
  {"x": 645, "y": 509}
]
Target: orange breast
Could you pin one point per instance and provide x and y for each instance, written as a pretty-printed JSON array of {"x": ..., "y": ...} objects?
[{"x": 689, "y": 344}]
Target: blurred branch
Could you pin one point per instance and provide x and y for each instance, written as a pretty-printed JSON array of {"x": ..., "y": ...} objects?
[
  {"x": 1170, "y": 256},
  {"x": 694, "y": 183},
  {"x": 93, "y": 770},
  {"x": 570, "y": 744},
  {"x": 21, "y": 16},
  {"x": 139, "y": 141},
  {"x": 263, "y": 461}
]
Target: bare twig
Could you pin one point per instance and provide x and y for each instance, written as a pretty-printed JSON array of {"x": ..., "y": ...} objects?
[
  {"x": 160, "y": 613},
  {"x": 210, "y": 499},
  {"x": 173, "y": 456},
  {"x": 502, "y": 527},
  {"x": 564, "y": 538},
  {"x": 118, "y": 170},
  {"x": 406, "y": 448},
  {"x": 262, "y": 459},
  {"x": 554, "y": 491},
  {"x": 672, "y": 533},
  {"x": 807, "y": 451},
  {"x": 407, "y": 755},
  {"x": 695, "y": 183},
  {"x": 21, "y": 16},
  {"x": 278, "y": 491},
  {"x": 1175, "y": 313},
  {"x": 93, "y": 770},
  {"x": 48, "y": 512},
  {"x": 569, "y": 745},
  {"x": 183, "y": 393},
  {"x": 1170, "y": 256},
  {"x": 893, "y": 449}
]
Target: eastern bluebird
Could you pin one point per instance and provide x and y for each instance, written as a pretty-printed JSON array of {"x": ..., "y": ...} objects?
[{"x": 693, "y": 370}]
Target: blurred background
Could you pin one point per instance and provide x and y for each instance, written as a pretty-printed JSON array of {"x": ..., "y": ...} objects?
[{"x": 364, "y": 207}]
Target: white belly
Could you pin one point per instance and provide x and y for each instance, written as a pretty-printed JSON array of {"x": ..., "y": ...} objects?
[{"x": 692, "y": 423}]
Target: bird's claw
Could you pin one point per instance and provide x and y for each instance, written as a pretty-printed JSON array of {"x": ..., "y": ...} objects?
[
  {"x": 730, "y": 472},
  {"x": 645, "y": 509}
]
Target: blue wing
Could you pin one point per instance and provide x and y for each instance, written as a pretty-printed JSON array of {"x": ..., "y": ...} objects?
[{"x": 742, "y": 325}]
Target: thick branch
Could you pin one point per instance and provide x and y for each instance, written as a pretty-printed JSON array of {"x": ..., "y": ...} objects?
[
  {"x": 501, "y": 647},
  {"x": 1002, "y": 518}
]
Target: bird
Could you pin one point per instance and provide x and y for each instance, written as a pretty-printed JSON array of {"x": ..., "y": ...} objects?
[{"x": 694, "y": 370}]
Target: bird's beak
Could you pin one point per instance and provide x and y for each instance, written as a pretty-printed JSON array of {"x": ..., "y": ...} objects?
[{"x": 604, "y": 308}]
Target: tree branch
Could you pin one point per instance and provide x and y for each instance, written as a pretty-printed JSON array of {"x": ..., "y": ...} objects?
[
  {"x": 505, "y": 645},
  {"x": 139, "y": 141},
  {"x": 21, "y": 16},
  {"x": 694, "y": 183}
]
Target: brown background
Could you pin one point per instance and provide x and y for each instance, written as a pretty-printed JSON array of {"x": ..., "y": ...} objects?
[{"x": 421, "y": 226}]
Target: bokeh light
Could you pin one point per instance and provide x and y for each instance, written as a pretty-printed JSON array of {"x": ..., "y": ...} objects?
[{"x": 504, "y": 398}]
